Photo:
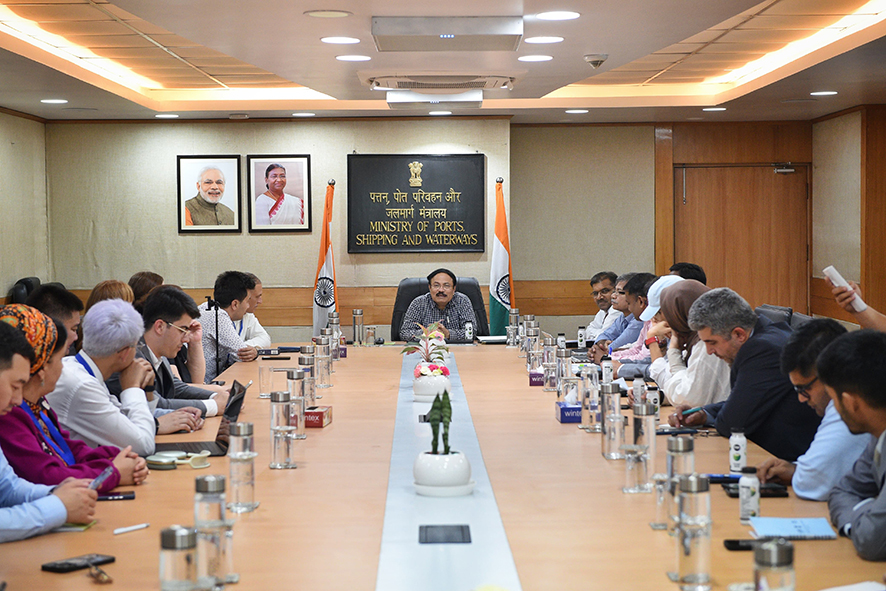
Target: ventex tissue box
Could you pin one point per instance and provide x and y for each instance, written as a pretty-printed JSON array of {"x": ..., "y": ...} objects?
[{"x": 567, "y": 413}]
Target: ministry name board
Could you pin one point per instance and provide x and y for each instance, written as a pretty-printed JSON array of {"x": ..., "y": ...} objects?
[{"x": 416, "y": 203}]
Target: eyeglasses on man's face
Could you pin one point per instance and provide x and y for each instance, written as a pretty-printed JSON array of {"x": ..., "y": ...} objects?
[{"x": 803, "y": 389}]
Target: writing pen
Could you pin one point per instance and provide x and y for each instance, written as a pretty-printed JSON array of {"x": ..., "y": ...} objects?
[
  {"x": 689, "y": 411},
  {"x": 100, "y": 479},
  {"x": 126, "y": 530}
]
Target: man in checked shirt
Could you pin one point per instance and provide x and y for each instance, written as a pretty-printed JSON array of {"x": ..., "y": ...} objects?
[{"x": 442, "y": 304}]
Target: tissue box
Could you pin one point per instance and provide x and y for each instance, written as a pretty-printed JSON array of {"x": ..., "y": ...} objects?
[
  {"x": 318, "y": 416},
  {"x": 567, "y": 413},
  {"x": 536, "y": 378}
]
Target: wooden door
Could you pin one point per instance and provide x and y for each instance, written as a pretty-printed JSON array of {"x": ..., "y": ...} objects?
[{"x": 747, "y": 226}]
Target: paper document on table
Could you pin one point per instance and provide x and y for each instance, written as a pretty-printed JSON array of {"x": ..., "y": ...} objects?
[
  {"x": 791, "y": 528},
  {"x": 866, "y": 586}
]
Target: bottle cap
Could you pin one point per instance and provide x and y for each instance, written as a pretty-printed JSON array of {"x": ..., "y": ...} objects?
[
  {"x": 326, "y": 331},
  {"x": 778, "y": 552},
  {"x": 357, "y": 312},
  {"x": 528, "y": 317},
  {"x": 532, "y": 324},
  {"x": 178, "y": 537},
  {"x": 241, "y": 429},
  {"x": 532, "y": 331},
  {"x": 335, "y": 322},
  {"x": 323, "y": 340},
  {"x": 306, "y": 360},
  {"x": 610, "y": 388},
  {"x": 549, "y": 341},
  {"x": 514, "y": 310},
  {"x": 295, "y": 374},
  {"x": 307, "y": 349},
  {"x": 749, "y": 470},
  {"x": 736, "y": 431},
  {"x": 561, "y": 334},
  {"x": 280, "y": 396},
  {"x": 644, "y": 409},
  {"x": 694, "y": 483},
  {"x": 563, "y": 353},
  {"x": 213, "y": 483},
  {"x": 333, "y": 314},
  {"x": 605, "y": 358},
  {"x": 581, "y": 328},
  {"x": 680, "y": 444}
]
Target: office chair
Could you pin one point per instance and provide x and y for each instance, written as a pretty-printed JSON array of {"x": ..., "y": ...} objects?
[
  {"x": 412, "y": 287},
  {"x": 22, "y": 288},
  {"x": 775, "y": 313}
]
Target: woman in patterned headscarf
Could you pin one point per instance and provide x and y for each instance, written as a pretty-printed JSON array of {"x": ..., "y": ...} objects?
[
  {"x": 688, "y": 375},
  {"x": 34, "y": 443}
]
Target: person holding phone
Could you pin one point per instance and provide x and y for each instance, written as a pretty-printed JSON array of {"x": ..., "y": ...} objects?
[
  {"x": 35, "y": 444},
  {"x": 28, "y": 509}
]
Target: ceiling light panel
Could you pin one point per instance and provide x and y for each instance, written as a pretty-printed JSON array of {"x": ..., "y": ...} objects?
[{"x": 479, "y": 33}]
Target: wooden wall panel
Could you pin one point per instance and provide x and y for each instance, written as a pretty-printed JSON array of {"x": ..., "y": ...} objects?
[
  {"x": 823, "y": 303},
  {"x": 873, "y": 205},
  {"x": 742, "y": 143},
  {"x": 664, "y": 198}
]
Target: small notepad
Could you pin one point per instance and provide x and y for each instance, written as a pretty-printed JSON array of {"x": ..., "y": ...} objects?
[
  {"x": 75, "y": 526},
  {"x": 791, "y": 528}
]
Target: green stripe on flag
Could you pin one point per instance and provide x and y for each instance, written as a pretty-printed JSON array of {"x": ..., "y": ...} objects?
[{"x": 498, "y": 318}]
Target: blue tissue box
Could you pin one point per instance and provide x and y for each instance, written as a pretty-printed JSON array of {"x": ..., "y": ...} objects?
[{"x": 567, "y": 413}]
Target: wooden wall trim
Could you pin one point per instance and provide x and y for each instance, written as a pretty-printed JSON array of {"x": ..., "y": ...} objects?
[
  {"x": 664, "y": 198},
  {"x": 742, "y": 142}
]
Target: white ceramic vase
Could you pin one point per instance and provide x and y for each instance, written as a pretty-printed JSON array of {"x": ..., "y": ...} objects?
[
  {"x": 439, "y": 475},
  {"x": 425, "y": 388}
]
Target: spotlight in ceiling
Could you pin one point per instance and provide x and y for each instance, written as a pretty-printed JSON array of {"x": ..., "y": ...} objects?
[
  {"x": 576, "y": 111},
  {"x": 541, "y": 40},
  {"x": 353, "y": 58},
  {"x": 534, "y": 58},
  {"x": 54, "y": 101},
  {"x": 713, "y": 109},
  {"x": 238, "y": 116},
  {"x": 305, "y": 114},
  {"x": 438, "y": 113},
  {"x": 340, "y": 40},
  {"x": 328, "y": 13},
  {"x": 558, "y": 15},
  {"x": 166, "y": 116},
  {"x": 823, "y": 93}
]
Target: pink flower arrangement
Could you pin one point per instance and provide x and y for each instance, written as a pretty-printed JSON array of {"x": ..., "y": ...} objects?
[{"x": 431, "y": 369}]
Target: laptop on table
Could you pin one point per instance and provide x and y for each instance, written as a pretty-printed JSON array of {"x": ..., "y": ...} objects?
[{"x": 219, "y": 447}]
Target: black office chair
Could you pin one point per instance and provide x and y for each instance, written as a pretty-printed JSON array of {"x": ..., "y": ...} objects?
[
  {"x": 22, "y": 288},
  {"x": 797, "y": 319},
  {"x": 412, "y": 287},
  {"x": 775, "y": 313}
]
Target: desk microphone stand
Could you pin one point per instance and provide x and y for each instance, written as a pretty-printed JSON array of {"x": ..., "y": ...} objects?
[{"x": 210, "y": 304}]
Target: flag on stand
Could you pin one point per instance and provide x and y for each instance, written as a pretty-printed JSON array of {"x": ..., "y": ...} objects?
[
  {"x": 325, "y": 290},
  {"x": 501, "y": 287}
]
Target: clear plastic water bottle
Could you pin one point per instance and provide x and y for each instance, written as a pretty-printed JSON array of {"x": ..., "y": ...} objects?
[
  {"x": 178, "y": 563},
  {"x": 306, "y": 364},
  {"x": 680, "y": 462},
  {"x": 694, "y": 534},
  {"x": 281, "y": 432},
  {"x": 357, "y": 316},
  {"x": 241, "y": 458},
  {"x": 210, "y": 523},
  {"x": 774, "y": 566}
]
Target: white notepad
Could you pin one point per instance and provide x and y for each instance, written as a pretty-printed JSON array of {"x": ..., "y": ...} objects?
[{"x": 792, "y": 528}]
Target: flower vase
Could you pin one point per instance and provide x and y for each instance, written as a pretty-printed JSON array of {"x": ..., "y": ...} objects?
[
  {"x": 442, "y": 475},
  {"x": 430, "y": 379}
]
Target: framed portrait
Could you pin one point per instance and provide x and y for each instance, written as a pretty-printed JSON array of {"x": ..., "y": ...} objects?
[
  {"x": 279, "y": 193},
  {"x": 209, "y": 194}
]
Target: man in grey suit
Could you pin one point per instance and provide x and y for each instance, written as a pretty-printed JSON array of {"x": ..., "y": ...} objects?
[
  {"x": 170, "y": 317},
  {"x": 853, "y": 369}
]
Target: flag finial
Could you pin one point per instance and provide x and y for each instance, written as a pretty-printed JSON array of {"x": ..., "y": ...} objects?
[
  {"x": 331, "y": 182},
  {"x": 499, "y": 180}
]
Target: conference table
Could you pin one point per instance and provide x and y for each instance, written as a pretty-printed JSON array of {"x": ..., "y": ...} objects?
[{"x": 568, "y": 524}]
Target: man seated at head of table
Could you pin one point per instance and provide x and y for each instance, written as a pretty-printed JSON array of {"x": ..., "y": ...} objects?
[
  {"x": 834, "y": 449},
  {"x": 685, "y": 373},
  {"x": 853, "y": 369},
  {"x": 222, "y": 343},
  {"x": 57, "y": 302},
  {"x": 602, "y": 287},
  {"x": 625, "y": 329},
  {"x": 35, "y": 444},
  {"x": 633, "y": 360},
  {"x": 28, "y": 509},
  {"x": 85, "y": 407},
  {"x": 441, "y": 304},
  {"x": 170, "y": 319},
  {"x": 762, "y": 402}
]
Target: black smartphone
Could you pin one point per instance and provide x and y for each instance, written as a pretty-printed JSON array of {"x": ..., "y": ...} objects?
[
  {"x": 276, "y": 358},
  {"x": 739, "y": 545},
  {"x": 77, "y": 563},
  {"x": 124, "y": 496},
  {"x": 767, "y": 489}
]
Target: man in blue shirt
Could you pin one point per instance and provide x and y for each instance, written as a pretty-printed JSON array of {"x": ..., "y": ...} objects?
[
  {"x": 625, "y": 330},
  {"x": 28, "y": 509}
]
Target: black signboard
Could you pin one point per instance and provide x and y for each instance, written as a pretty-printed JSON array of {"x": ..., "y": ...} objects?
[{"x": 410, "y": 203}]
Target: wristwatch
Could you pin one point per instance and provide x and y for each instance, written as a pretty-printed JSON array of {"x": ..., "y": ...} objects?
[{"x": 651, "y": 340}]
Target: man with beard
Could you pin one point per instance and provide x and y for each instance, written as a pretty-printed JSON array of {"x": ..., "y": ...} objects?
[
  {"x": 442, "y": 304},
  {"x": 206, "y": 209},
  {"x": 276, "y": 207}
]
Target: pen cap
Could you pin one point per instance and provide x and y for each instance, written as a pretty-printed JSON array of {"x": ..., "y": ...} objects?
[
  {"x": 241, "y": 429},
  {"x": 213, "y": 483},
  {"x": 680, "y": 444},
  {"x": 281, "y": 396},
  {"x": 307, "y": 349},
  {"x": 779, "y": 552},
  {"x": 178, "y": 537},
  {"x": 694, "y": 483}
]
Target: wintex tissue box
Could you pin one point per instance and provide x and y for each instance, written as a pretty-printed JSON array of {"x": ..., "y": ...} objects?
[{"x": 567, "y": 413}]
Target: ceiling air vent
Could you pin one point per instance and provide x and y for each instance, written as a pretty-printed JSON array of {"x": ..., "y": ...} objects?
[{"x": 441, "y": 84}]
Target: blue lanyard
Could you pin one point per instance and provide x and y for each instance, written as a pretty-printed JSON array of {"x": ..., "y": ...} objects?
[
  {"x": 240, "y": 331},
  {"x": 56, "y": 440},
  {"x": 79, "y": 357}
]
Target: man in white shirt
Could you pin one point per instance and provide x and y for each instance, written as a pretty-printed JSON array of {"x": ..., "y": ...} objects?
[
  {"x": 602, "y": 286},
  {"x": 85, "y": 407},
  {"x": 834, "y": 449},
  {"x": 249, "y": 328},
  {"x": 222, "y": 343}
]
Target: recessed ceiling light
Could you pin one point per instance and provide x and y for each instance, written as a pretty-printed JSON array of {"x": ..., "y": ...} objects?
[
  {"x": 543, "y": 40},
  {"x": 709, "y": 109},
  {"x": 695, "y": 119},
  {"x": 303, "y": 114},
  {"x": 823, "y": 93},
  {"x": 54, "y": 101},
  {"x": 576, "y": 111},
  {"x": 558, "y": 15},
  {"x": 328, "y": 13},
  {"x": 447, "y": 36},
  {"x": 340, "y": 40},
  {"x": 534, "y": 58},
  {"x": 353, "y": 58},
  {"x": 799, "y": 100},
  {"x": 440, "y": 113},
  {"x": 166, "y": 116}
]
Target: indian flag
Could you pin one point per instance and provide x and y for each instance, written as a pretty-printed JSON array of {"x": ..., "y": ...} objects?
[
  {"x": 325, "y": 290},
  {"x": 501, "y": 287}
]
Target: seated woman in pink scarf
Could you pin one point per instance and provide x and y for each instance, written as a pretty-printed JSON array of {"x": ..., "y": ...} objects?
[{"x": 34, "y": 443}]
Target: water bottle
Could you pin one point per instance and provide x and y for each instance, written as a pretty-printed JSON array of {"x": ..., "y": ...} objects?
[
  {"x": 178, "y": 563},
  {"x": 210, "y": 523},
  {"x": 357, "y": 315},
  {"x": 241, "y": 457},
  {"x": 306, "y": 364},
  {"x": 581, "y": 338},
  {"x": 680, "y": 462},
  {"x": 774, "y": 566},
  {"x": 281, "y": 432},
  {"x": 738, "y": 451},
  {"x": 561, "y": 340},
  {"x": 322, "y": 363},
  {"x": 469, "y": 332},
  {"x": 694, "y": 534},
  {"x": 748, "y": 495},
  {"x": 644, "y": 435},
  {"x": 606, "y": 364}
]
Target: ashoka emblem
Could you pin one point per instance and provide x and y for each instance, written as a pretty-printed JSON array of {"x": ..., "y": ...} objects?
[{"x": 324, "y": 296}]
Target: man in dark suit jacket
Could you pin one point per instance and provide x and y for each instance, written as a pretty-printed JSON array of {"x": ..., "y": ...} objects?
[
  {"x": 170, "y": 317},
  {"x": 762, "y": 402}
]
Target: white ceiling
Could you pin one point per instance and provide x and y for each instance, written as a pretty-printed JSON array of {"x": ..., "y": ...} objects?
[{"x": 276, "y": 36}]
